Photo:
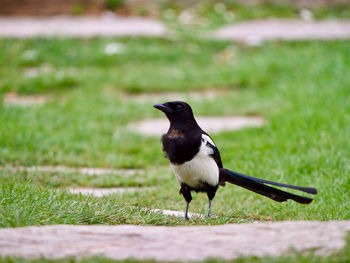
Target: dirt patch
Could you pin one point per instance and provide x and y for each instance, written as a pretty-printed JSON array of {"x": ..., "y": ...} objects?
[
  {"x": 182, "y": 243},
  {"x": 297, "y": 3},
  {"x": 129, "y": 7},
  {"x": 12, "y": 98},
  {"x": 157, "y": 127}
]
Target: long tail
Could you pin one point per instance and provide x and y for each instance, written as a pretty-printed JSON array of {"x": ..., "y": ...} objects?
[
  {"x": 256, "y": 185},
  {"x": 308, "y": 190}
]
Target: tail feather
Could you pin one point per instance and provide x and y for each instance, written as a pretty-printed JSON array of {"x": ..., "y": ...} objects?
[
  {"x": 270, "y": 192},
  {"x": 309, "y": 190}
]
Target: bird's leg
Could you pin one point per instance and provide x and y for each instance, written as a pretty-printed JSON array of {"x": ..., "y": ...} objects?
[
  {"x": 209, "y": 212},
  {"x": 186, "y": 213},
  {"x": 186, "y": 192},
  {"x": 211, "y": 194}
]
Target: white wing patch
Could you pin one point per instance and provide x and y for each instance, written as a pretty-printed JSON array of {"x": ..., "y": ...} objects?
[
  {"x": 204, "y": 148},
  {"x": 206, "y": 138}
]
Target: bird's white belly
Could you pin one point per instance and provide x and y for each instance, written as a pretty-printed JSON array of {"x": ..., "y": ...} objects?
[{"x": 201, "y": 169}]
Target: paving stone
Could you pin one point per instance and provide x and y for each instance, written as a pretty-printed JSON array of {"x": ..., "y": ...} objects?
[
  {"x": 156, "y": 97},
  {"x": 157, "y": 127},
  {"x": 99, "y": 192},
  {"x": 182, "y": 243},
  {"x": 175, "y": 213},
  {"x": 81, "y": 170},
  {"x": 256, "y": 31},
  {"x": 68, "y": 26}
]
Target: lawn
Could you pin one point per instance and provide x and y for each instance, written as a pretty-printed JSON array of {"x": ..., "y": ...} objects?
[
  {"x": 302, "y": 89},
  {"x": 211, "y": 14}
]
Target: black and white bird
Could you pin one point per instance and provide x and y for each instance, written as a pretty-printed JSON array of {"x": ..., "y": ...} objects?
[{"x": 196, "y": 162}]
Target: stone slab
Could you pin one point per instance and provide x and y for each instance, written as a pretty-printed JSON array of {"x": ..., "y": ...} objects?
[
  {"x": 175, "y": 213},
  {"x": 183, "y": 243},
  {"x": 99, "y": 192},
  {"x": 212, "y": 124},
  {"x": 81, "y": 170},
  {"x": 155, "y": 97},
  {"x": 256, "y": 31},
  {"x": 69, "y": 26}
]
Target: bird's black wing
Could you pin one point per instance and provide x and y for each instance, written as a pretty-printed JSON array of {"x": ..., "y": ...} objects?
[{"x": 216, "y": 154}]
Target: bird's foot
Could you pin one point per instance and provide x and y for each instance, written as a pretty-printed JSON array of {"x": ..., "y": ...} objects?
[
  {"x": 209, "y": 211},
  {"x": 186, "y": 212}
]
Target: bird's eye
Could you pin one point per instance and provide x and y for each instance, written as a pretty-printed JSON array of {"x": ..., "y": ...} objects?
[{"x": 179, "y": 107}]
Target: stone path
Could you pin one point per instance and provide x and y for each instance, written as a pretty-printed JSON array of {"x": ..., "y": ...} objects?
[
  {"x": 15, "y": 99},
  {"x": 174, "y": 243},
  {"x": 156, "y": 97},
  {"x": 251, "y": 32},
  {"x": 157, "y": 127},
  {"x": 99, "y": 192},
  {"x": 81, "y": 170},
  {"x": 67, "y": 26},
  {"x": 175, "y": 213},
  {"x": 255, "y": 32}
]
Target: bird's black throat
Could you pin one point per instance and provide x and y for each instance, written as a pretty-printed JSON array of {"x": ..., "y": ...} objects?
[{"x": 179, "y": 147}]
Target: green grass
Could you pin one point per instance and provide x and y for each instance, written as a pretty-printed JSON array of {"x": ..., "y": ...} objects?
[
  {"x": 75, "y": 179},
  {"x": 26, "y": 204},
  {"x": 211, "y": 14},
  {"x": 208, "y": 14},
  {"x": 301, "y": 88}
]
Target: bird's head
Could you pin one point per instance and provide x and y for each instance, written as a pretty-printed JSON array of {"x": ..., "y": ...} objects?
[{"x": 176, "y": 111}]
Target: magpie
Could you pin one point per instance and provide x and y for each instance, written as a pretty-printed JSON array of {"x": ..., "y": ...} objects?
[{"x": 196, "y": 162}]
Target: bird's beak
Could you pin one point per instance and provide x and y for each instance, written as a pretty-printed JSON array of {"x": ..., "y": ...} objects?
[{"x": 163, "y": 107}]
